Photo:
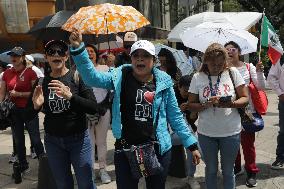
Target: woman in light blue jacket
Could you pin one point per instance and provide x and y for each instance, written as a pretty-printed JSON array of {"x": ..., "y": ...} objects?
[{"x": 144, "y": 102}]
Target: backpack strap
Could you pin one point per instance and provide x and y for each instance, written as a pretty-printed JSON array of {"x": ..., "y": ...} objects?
[{"x": 232, "y": 79}]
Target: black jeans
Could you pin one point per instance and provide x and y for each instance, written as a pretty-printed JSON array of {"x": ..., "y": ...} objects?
[
  {"x": 124, "y": 179},
  {"x": 32, "y": 126}
]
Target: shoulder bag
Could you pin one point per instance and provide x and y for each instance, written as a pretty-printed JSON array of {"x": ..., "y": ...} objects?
[
  {"x": 250, "y": 122},
  {"x": 142, "y": 158},
  {"x": 258, "y": 97},
  {"x": 6, "y": 107}
]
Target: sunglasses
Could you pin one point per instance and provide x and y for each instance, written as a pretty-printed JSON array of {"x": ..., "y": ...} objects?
[
  {"x": 53, "y": 52},
  {"x": 233, "y": 50},
  {"x": 144, "y": 55}
]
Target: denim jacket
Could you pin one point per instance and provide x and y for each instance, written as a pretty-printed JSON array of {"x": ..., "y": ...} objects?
[{"x": 169, "y": 110}]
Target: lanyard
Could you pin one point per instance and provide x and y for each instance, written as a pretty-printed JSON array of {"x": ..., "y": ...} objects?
[{"x": 214, "y": 91}]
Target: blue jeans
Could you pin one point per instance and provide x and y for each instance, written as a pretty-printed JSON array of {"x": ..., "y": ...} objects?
[
  {"x": 124, "y": 178},
  {"x": 280, "y": 137},
  {"x": 64, "y": 151},
  {"x": 228, "y": 147},
  {"x": 18, "y": 127}
]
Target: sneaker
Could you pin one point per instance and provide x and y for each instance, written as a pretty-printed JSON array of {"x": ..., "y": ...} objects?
[
  {"x": 13, "y": 158},
  {"x": 251, "y": 180},
  {"x": 238, "y": 171},
  {"x": 193, "y": 183},
  {"x": 33, "y": 154},
  {"x": 277, "y": 165},
  {"x": 105, "y": 178}
]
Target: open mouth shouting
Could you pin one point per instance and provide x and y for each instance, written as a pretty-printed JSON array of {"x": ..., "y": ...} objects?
[{"x": 57, "y": 61}]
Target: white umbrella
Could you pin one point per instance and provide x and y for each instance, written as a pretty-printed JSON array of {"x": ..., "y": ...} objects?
[
  {"x": 201, "y": 36},
  {"x": 180, "y": 57},
  {"x": 4, "y": 57},
  {"x": 39, "y": 57},
  {"x": 241, "y": 20}
]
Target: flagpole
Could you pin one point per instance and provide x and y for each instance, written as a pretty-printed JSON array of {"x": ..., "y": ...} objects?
[{"x": 260, "y": 38}]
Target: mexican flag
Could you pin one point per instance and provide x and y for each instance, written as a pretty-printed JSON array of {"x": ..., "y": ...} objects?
[{"x": 270, "y": 39}]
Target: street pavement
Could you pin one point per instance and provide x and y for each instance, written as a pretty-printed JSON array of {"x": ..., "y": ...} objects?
[{"x": 265, "y": 149}]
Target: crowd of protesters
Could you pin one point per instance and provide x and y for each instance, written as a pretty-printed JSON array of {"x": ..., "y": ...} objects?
[{"x": 146, "y": 101}]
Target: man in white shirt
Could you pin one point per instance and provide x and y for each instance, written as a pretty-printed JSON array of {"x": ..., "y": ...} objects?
[{"x": 276, "y": 82}]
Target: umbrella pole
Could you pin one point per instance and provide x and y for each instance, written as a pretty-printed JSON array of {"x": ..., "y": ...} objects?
[{"x": 107, "y": 34}]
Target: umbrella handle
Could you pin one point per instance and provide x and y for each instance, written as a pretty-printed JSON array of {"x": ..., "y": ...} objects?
[{"x": 107, "y": 34}]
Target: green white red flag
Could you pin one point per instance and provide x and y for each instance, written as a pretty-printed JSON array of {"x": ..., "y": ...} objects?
[{"x": 270, "y": 39}]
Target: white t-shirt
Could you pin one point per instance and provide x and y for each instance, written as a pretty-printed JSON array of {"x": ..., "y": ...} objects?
[
  {"x": 100, "y": 93},
  {"x": 217, "y": 122},
  {"x": 37, "y": 71}
]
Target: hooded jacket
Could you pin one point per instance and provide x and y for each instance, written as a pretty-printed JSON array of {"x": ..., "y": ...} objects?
[{"x": 164, "y": 97}]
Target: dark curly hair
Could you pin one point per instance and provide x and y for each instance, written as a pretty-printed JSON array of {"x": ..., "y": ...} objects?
[{"x": 171, "y": 61}]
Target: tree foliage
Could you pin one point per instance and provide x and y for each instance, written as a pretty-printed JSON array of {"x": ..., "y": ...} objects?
[{"x": 273, "y": 9}]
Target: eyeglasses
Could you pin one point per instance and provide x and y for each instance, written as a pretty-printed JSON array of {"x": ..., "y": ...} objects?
[
  {"x": 233, "y": 50},
  {"x": 53, "y": 52},
  {"x": 143, "y": 55}
]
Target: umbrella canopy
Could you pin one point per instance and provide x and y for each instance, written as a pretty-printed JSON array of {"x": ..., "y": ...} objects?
[
  {"x": 180, "y": 57},
  {"x": 50, "y": 28},
  {"x": 240, "y": 20},
  {"x": 105, "y": 19},
  {"x": 201, "y": 36},
  {"x": 4, "y": 57}
]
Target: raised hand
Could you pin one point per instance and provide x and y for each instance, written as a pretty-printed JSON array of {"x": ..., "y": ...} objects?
[
  {"x": 75, "y": 38},
  {"x": 60, "y": 88},
  {"x": 38, "y": 98},
  {"x": 259, "y": 67}
]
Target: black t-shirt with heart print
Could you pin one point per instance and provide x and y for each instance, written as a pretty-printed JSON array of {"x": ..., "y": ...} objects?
[{"x": 136, "y": 109}]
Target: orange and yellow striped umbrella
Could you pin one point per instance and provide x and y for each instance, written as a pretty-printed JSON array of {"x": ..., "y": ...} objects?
[{"x": 105, "y": 19}]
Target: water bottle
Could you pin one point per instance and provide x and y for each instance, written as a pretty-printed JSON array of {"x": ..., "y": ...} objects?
[{"x": 17, "y": 175}]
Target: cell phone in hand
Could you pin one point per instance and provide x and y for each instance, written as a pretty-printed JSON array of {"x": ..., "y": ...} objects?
[{"x": 224, "y": 99}]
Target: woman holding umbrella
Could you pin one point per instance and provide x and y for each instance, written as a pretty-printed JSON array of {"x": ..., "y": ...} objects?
[
  {"x": 143, "y": 103},
  {"x": 65, "y": 99},
  {"x": 247, "y": 138}
]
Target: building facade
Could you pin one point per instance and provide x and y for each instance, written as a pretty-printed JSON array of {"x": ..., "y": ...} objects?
[{"x": 17, "y": 17}]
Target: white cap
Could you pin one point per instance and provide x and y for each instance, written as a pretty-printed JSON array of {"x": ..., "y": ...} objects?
[
  {"x": 10, "y": 65},
  {"x": 30, "y": 58},
  {"x": 145, "y": 45},
  {"x": 130, "y": 37}
]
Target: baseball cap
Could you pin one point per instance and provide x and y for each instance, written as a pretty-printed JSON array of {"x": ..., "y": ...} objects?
[
  {"x": 130, "y": 37},
  {"x": 30, "y": 58},
  {"x": 61, "y": 43},
  {"x": 18, "y": 51},
  {"x": 145, "y": 45}
]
